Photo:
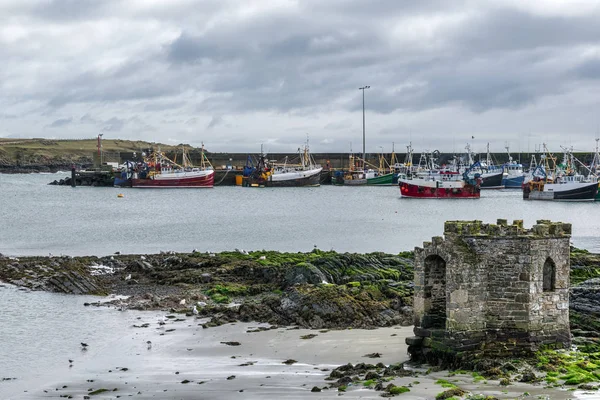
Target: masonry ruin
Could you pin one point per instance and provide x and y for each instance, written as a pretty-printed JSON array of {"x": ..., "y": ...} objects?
[{"x": 491, "y": 290}]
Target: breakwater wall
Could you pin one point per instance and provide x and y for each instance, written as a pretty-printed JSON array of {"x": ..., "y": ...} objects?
[
  {"x": 233, "y": 160},
  {"x": 331, "y": 160}
]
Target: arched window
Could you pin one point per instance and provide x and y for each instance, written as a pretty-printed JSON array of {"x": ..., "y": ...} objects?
[
  {"x": 435, "y": 293},
  {"x": 549, "y": 275}
]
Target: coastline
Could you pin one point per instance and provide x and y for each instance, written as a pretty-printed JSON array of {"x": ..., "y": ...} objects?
[{"x": 287, "y": 293}]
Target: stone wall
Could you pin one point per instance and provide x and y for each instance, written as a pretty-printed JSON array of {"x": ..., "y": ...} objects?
[{"x": 480, "y": 289}]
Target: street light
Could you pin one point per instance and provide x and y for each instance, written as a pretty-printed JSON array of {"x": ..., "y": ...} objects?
[
  {"x": 100, "y": 147},
  {"x": 363, "y": 96}
]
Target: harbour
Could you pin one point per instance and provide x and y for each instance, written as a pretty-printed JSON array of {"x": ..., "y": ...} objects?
[{"x": 41, "y": 219}]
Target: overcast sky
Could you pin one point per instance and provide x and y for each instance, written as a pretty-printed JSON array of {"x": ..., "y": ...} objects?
[{"x": 235, "y": 74}]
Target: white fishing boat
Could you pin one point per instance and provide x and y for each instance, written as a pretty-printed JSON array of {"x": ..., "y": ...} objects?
[{"x": 304, "y": 172}]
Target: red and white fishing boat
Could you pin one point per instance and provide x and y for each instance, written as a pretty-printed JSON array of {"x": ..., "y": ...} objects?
[
  {"x": 442, "y": 185},
  {"x": 161, "y": 172}
]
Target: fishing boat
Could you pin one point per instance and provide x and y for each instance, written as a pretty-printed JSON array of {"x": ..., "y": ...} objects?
[
  {"x": 386, "y": 174},
  {"x": 305, "y": 172},
  {"x": 568, "y": 188},
  {"x": 549, "y": 181},
  {"x": 159, "y": 171},
  {"x": 402, "y": 170},
  {"x": 124, "y": 174},
  {"x": 444, "y": 184},
  {"x": 490, "y": 174},
  {"x": 513, "y": 176},
  {"x": 357, "y": 173}
]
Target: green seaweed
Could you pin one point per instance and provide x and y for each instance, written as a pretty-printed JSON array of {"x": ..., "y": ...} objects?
[
  {"x": 445, "y": 384},
  {"x": 399, "y": 390}
]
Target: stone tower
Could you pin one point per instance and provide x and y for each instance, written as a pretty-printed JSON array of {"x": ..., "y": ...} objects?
[{"x": 492, "y": 290}]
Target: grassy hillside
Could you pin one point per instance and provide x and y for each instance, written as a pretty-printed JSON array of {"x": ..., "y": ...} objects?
[{"x": 47, "y": 151}]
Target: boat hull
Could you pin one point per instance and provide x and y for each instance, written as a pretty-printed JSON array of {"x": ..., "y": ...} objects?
[
  {"x": 384, "y": 180},
  {"x": 562, "y": 192},
  {"x": 492, "y": 180},
  {"x": 288, "y": 179},
  {"x": 312, "y": 178},
  {"x": 204, "y": 180},
  {"x": 122, "y": 182},
  {"x": 513, "y": 182},
  {"x": 440, "y": 190},
  {"x": 355, "y": 182}
]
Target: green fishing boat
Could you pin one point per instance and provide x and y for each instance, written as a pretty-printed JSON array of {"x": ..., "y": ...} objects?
[
  {"x": 385, "y": 179},
  {"x": 385, "y": 174}
]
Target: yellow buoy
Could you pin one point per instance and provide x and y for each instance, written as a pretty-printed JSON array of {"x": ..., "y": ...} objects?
[{"x": 120, "y": 195}]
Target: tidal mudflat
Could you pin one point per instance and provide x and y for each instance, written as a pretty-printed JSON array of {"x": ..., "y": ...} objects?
[{"x": 176, "y": 358}]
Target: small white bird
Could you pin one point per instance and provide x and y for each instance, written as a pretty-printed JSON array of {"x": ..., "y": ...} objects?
[
  {"x": 212, "y": 255},
  {"x": 128, "y": 277},
  {"x": 201, "y": 304},
  {"x": 142, "y": 258},
  {"x": 149, "y": 343},
  {"x": 195, "y": 251},
  {"x": 195, "y": 311},
  {"x": 182, "y": 302},
  {"x": 262, "y": 258}
]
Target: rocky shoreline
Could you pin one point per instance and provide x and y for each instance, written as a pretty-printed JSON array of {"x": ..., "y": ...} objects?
[
  {"x": 313, "y": 290},
  {"x": 318, "y": 291}
]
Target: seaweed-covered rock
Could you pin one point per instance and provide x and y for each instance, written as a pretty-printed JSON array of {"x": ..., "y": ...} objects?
[{"x": 304, "y": 273}]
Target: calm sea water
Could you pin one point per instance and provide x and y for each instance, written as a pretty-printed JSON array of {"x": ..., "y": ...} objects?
[{"x": 37, "y": 219}]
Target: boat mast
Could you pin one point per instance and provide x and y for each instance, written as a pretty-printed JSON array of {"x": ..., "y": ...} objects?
[
  {"x": 595, "y": 166},
  {"x": 409, "y": 155},
  {"x": 508, "y": 153}
]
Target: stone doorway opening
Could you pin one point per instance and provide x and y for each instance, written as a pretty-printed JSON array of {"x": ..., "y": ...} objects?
[
  {"x": 434, "y": 293},
  {"x": 549, "y": 276}
]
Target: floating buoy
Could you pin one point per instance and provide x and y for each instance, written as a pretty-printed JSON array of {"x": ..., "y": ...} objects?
[{"x": 120, "y": 195}]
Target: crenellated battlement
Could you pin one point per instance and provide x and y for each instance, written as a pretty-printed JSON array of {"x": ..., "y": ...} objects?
[{"x": 543, "y": 228}]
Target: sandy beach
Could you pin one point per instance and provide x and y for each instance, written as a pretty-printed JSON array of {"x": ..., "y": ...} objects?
[{"x": 185, "y": 361}]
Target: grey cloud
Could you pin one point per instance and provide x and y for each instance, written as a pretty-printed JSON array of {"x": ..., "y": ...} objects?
[
  {"x": 215, "y": 121},
  {"x": 296, "y": 63},
  {"x": 61, "y": 122},
  {"x": 87, "y": 119},
  {"x": 113, "y": 125},
  {"x": 512, "y": 30},
  {"x": 163, "y": 105},
  {"x": 62, "y": 10},
  {"x": 589, "y": 69}
]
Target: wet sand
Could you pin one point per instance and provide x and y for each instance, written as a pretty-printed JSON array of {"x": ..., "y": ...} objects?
[{"x": 183, "y": 351}]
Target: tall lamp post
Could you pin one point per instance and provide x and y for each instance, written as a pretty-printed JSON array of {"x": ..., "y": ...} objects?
[
  {"x": 363, "y": 96},
  {"x": 100, "y": 147}
]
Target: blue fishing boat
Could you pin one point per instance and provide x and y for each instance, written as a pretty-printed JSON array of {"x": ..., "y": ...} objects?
[{"x": 514, "y": 176}]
